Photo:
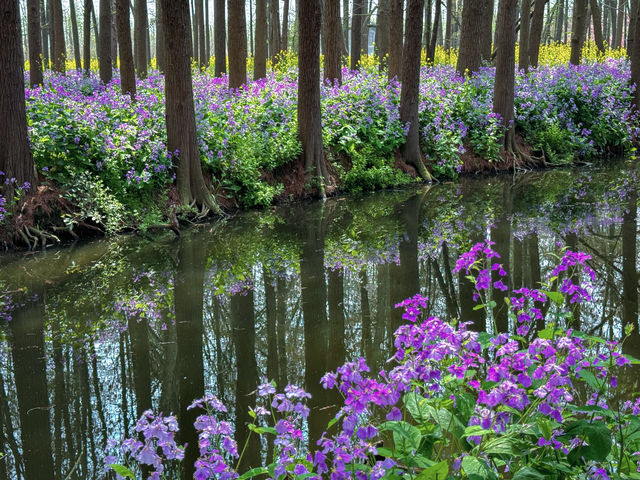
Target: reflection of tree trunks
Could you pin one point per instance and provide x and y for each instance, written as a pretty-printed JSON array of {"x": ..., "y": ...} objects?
[
  {"x": 443, "y": 288},
  {"x": 29, "y": 370},
  {"x": 244, "y": 338},
  {"x": 314, "y": 295},
  {"x": 62, "y": 422},
  {"x": 630, "y": 275},
  {"x": 466, "y": 291},
  {"x": 87, "y": 414},
  {"x": 139, "y": 335},
  {"x": 336, "y": 319},
  {"x": 188, "y": 295},
  {"x": 96, "y": 390},
  {"x": 272, "y": 337},
  {"x": 501, "y": 235},
  {"x": 169, "y": 392},
  {"x": 217, "y": 315},
  {"x": 281, "y": 320},
  {"x": 448, "y": 272},
  {"x": 123, "y": 384},
  {"x": 6, "y": 431},
  {"x": 382, "y": 309},
  {"x": 572, "y": 243},
  {"x": 365, "y": 308},
  {"x": 405, "y": 281},
  {"x": 535, "y": 280},
  {"x": 516, "y": 266}
]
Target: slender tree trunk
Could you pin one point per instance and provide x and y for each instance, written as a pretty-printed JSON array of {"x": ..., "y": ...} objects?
[
  {"x": 396, "y": 29},
  {"x": 114, "y": 35},
  {"x": 597, "y": 25},
  {"x": 161, "y": 61},
  {"x": 635, "y": 57},
  {"x": 620, "y": 23},
  {"x": 140, "y": 18},
  {"x": 535, "y": 34},
  {"x": 127, "y": 70},
  {"x": 202, "y": 47},
  {"x": 260, "y": 60},
  {"x": 219, "y": 38},
  {"x": 382, "y": 32},
  {"x": 76, "y": 36},
  {"x": 427, "y": 24},
  {"x": 431, "y": 51},
  {"x": 559, "y": 21},
  {"x": 470, "y": 52},
  {"x": 237, "y": 43},
  {"x": 525, "y": 17},
  {"x": 331, "y": 41},
  {"x": 410, "y": 84},
  {"x": 15, "y": 156},
  {"x": 86, "y": 35},
  {"x": 309, "y": 113},
  {"x": 578, "y": 30},
  {"x": 447, "y": 35},
  {"x": 104, "y": 48},
  {"x": 487, "y": 30},
  {"x": 356, "y": 32},
  {"x": 281, "y": 322},
  {"x": 633, "y": 9},
  {"x": 59, "y": 53},
  {"x": 35, "y": 43},
  {"x": 504, "y": 90},
  {"x": 274, "y": 29},
  {"x": 44, "y": 23},
  {"x": 284, "y": 43},
  {"x": 180, "y": 111}
]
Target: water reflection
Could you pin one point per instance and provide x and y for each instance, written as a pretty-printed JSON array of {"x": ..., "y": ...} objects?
[{"x": 104, "y": 331}]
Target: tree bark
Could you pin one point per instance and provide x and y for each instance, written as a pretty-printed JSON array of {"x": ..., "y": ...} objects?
[
  {"x": 161, "y": 61},
  {"x": 15, "y": 156},
  {"x": 104, "y": 49},
  {"x": 140, "y": 18},
  {"x": 219, "y": 38},
  {"x": 525, "y": 17},
  {"x": 284, "y": 43},
  {"x": 504, "y": 90},
  {"x": 470, "y": 52},
  {"x": 382, "y": 32},
  {"x": 127, "y": 70},
  {"x": 35, "y": 43},
  {"x": 45, "y": 34},
  {"x": 431, "y": 50},
  {"x": 260, "y": 59},
  {"x": 76, "y": 36},
  {"x": 578, "y": 31},
  {"x": 409, "y": 95},
  {"x": 200, "y": 33},
  {"x": 180, "y": 111},
  {"x": 331, "y": 41},
  {"x": 237, "y": 43},
  {"x": 86, "y": 34},
  {"x": 557, "y": 37},
  {"x": 620, "y": 23},
  {"x": 274, "y": 29},
  {"x": 635, "y": 57},
  {"x": 356, "y": 32},
  {"x": 447, "y": 35},
  {"x": 396, "y": 30},
  {"x": 59, "y": 53},
  {"x": 596, "y": 14},
  {"x": 535, "y": 35},
  {"x": 309, "y": 113}
]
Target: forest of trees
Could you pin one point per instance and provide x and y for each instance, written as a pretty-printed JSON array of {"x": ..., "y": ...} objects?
[{"x": 243, "y": 37}]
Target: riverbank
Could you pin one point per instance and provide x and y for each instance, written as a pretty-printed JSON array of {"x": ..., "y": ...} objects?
[{"x": 105, "y": 169}]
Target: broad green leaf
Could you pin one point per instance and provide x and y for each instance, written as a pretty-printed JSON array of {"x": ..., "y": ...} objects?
[
  {"x": 405, "y": 436},
  {"x": 477, "y": 469},
  {"x": 417, "y": 406},
  {"x": 254, "y": 472},
  {"x": 501, "y": 445},
  {"x": 122, "y": 470},
  {"x": 556, "y": 297},
  {"x": 474, "y": 430},
  {"x": 528, "y": 473},
  {"x": 438, "y": 471},
  {"x": 545, "y": 427},
  {"x": 589, "y": 378}
]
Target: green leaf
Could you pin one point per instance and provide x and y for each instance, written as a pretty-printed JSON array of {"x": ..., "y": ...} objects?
[
  {"x": 477, "y": 469},
  {"x": 545, "y": 427},
  {"x": 589, "y": 378},
  {"x": 501, "y": 445},
  {"x": 438, "y": 471},
  {"x": 254, "y": 472},
  {"x": 528, "y": 473},
  {"x": 556, "y": 297},
  {"x": 417, "y": 406},
  {"x": 475, "y": 430},
  {"x": 405, "y": 436},
  {"x": 122, "y": 470}
]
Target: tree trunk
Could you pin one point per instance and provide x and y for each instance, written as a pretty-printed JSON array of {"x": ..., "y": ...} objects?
[
  {"x": 161, "y": 61},
  {"x": 59, "y": 53},
  {"x": 260, "y": 60},
  {"x": 284, "y": 43},
  {"x": 127, "y": 70},
  {"x": 35, "y": 43},
  {"x": 140, "y": 37},
  {"x": 180, "y": 112},
  {"x": 382, "y": 32},
  {"x": 578, "y": 30},
  {"x": 237, "y": 43},
  {"x": 635, "y": 57},
  {"x": 620, "y": 23},
  {"x": 559, "y": 21},
  {"x": 487, "y": 30},
  {"x": 470, "y": 52},
  {"x": 309, "y": 112},
  {"x": 634, "y": 5},
  {"x": 76, "y": 36},
  {"x": 45, "y": 34},
  {"x": 525, "y": 17},
  {"x": 356, "y": 32},
  {"x": 219, "y": 38},
  {"x": 447, "y": 35},
  {"x": 331, "y": 41},
  {"x": 15, "y": 156},
  {"x": 597, "y": 25},
  {"x": 199, "y": 27},
  {"x": 410, "y": 86},
  {"x": 86, "y": 35},
  {"x": 114, "y": 35},
  {"x": 104, "y": 49},
  {"x": 535, "y": 35},
  {"x": 504, "y": 90},
  {"x": 274, "y": 29},
  {"x": 431, "y": 50},
  {"x": 396, "y": 27}
]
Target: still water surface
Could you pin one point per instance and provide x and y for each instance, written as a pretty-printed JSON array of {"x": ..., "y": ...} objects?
[{"x": 102, "y": 331}]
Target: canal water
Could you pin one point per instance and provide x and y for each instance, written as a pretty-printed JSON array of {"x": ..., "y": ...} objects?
[{"x": 94, "y": 334}]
